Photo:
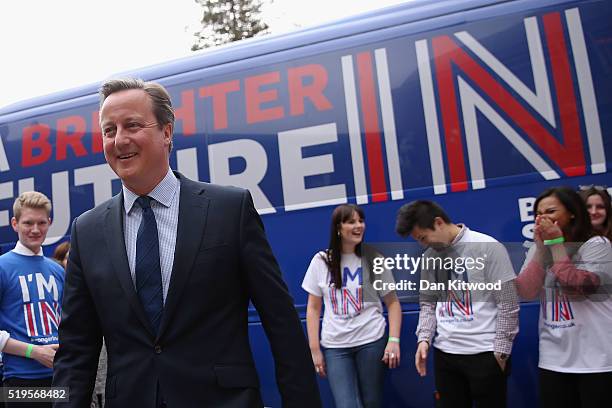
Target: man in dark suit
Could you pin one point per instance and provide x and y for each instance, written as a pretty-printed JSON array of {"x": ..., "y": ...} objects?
[{"x": 165, "y": 271}]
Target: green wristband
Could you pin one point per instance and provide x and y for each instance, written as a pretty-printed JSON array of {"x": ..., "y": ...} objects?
[
  {"x": 554, "y": 241},
  {"x": 28, "y": 352},
  {"x": 394, "y": 339}
]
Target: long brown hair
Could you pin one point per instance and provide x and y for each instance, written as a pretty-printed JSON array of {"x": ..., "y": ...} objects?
[
  {"x": 606, "y": 227},
  {"x": 333, "y": 253}
]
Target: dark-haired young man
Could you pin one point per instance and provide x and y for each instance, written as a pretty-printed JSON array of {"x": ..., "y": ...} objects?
[{"x": 473, "y": 328}]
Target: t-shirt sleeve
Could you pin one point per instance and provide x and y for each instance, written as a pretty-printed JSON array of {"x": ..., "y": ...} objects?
[
  {"x": 61, "y": 276},
  {"x": 4, "y": 337},
  {"x": 387, "y": 279},
  {"x": 2, "y": 277},
  {"x": 311, "y": 280},
  {"x": 528, "y": 257},
  {"x": 427, "y": 274},
  {"x": 595, "y": 256},
  {"x": 498, "y": 265}
]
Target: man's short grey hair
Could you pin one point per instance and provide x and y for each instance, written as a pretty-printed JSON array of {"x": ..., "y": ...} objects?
[{"x": 162, "y": 104}]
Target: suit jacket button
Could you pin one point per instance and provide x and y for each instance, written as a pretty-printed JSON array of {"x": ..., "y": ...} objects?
[{"x": 158, "y": 349}]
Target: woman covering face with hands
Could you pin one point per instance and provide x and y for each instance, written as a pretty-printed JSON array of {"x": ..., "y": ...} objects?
[
  {"x": 353, "y": 349},
  {"x": 569, "y": 269}
]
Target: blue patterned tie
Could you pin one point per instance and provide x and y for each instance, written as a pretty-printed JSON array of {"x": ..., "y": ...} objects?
[{"x": 148, "y": 269}]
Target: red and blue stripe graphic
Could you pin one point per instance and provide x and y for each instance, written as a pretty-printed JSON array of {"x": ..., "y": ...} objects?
[
  {"x": 529, "y": 133},
  {"x": 376, "y": 181}
]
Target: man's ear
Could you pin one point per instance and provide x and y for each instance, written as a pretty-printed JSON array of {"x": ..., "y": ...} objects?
[
  {"x": 14, "y": 223},
  {"x": 50, "y": 221},
  {"x": 438, "y": 222},
  {"x": 168, "y": 130}
]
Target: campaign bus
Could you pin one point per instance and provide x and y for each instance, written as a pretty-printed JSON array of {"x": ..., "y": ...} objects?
[{"x": 478, "y": 105}]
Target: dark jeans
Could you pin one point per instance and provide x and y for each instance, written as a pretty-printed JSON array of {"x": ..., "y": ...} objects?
[
  {"x": 22, "y": 382},
  {"x": 356, "y": 374},
  {"x": 466, "y": 379},
  {"x": 560, "y": 390}
]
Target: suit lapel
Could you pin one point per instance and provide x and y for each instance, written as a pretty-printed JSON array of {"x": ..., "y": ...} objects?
[
  {"x": 115, "y": 239},
  {"x": 193, "y": 210}
]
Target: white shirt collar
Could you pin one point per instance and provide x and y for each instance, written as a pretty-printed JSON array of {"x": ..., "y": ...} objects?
[
  {"x": 162, "y": 193},
  {"x": 23, "y": 250},
  {"x": 461, "y": 233}
]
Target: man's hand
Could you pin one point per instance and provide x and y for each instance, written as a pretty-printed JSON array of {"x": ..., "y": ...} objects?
[
  {"x": 319, "y": 362},
  {"x": 501, "y": 359},
  {"x": 45, "y": 354},
  {"x": 420, "y": 358}
]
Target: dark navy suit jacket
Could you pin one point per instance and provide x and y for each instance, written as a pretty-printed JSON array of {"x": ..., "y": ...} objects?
[{"x": 201, "y": 356}]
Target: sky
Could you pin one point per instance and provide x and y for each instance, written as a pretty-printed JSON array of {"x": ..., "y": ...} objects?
[{"x": 48, "y": 46}]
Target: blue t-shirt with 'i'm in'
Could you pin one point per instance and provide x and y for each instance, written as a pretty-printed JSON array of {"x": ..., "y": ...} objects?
[{"x": 30, "y": 299}]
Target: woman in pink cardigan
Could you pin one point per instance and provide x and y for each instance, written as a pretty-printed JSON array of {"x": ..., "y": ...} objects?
[{"x": 569, "y": 269}]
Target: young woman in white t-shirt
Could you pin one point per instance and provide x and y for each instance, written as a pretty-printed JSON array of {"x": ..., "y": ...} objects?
[
  {"x": 353, "y": 349},
  {"x": 569, "y": 268}
]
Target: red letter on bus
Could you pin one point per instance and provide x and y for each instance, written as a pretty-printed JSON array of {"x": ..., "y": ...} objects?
[
  {"x": 73, "y": 139},
  {"x": 314, "y": 91},
  {"x": 219, "y": 95},
  {"x": 41, "y": 143},
  {"x": 255, "y": 97}
]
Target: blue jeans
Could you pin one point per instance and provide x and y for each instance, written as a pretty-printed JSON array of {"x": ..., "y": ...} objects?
[{"x": 356, "y": 374}]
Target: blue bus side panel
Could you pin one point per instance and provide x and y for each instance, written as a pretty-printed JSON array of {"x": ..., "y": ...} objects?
[{"x": 479, "y": 109}]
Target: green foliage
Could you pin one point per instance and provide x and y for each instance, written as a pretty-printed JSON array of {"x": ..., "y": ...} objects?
[{"x": 225, "y": 21}]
